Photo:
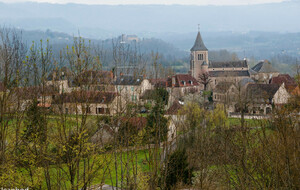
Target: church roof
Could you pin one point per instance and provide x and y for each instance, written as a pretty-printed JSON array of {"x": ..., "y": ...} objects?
[
  {"x": 228, "y": 64},
  {"x": 229, "y": 73},
  {"x": 264, "y": 67},
  {"x": 199, "y": 45}
]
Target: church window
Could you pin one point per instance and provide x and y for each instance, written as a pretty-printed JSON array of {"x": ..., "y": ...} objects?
[{"x": 200, "y": 56}]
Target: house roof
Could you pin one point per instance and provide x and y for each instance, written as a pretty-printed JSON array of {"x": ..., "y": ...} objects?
[
  {"x": 264, "y": 91},
  {"x": 162, "y": 82},
  {"x": 246, "y": 81},
  {"x": 229, "y": 73},
  {"x": 173, "y": 110},
  {"x": 31, "y": 92},
  {"x": 283, "y": 78},
  {"x": 296, "y": 91},
  {"x": 222, "y": 87},
  {"x": 94, "y": 77},
  {"x": 199, "y": 45},
  {"x": 228, "y": 64},
  {"x": 264, "y": 67},
  {"x": 86, "y": 97},
  {"x": 183, "y": 80},
  {"x": 129, "y": 80}
]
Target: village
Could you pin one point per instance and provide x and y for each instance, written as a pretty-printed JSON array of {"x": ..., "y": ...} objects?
[
  {"x": 125, "y": 112},
  {"x": 226, "y": 83}
]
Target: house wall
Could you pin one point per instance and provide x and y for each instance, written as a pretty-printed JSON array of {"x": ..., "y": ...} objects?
[
  {"x": 132, "y": 93},
  {"x": 281, "y": 96}
]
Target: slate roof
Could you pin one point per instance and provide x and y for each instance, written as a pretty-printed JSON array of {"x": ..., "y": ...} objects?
[
  {"x": 229, "y": 73},
  {"x": 222, "y": 87},
  {"x": 246, "y": 81},
  {"x": 199, "y": 45},
  {"x": 264, "y": 67},
  {"x": 262, "y": 91},
  {"x": 129, "y": 80},
  {"x": 86, "y": 97},
  {"x": 228, "y": 64}
]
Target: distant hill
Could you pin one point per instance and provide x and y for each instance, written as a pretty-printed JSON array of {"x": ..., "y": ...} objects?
[{"x": 105, "y": 21}]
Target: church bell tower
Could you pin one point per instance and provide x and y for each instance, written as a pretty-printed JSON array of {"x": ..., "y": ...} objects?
[{"x": 199, "y": 57}]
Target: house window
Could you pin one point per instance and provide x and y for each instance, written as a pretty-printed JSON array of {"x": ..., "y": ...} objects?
[
  {"x": 215, "y": 82},
  {"x": 132, "y": 97},
  {"x": 200, "y": 56},
  {"x": 132, "y": 88},
  {"x": 190, "y": 82},
  {"x": 183, "y": 82}
]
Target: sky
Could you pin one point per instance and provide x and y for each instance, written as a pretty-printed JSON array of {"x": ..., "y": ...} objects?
[{"x": 182, "y": 2}]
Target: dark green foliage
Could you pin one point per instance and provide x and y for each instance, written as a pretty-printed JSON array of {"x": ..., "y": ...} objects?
[
  {"x": 177, "y": 169},
  {"x": 157, "y": 124},
  {"x": 162, "y": 95},
  {"x": 35, "y": 124}
]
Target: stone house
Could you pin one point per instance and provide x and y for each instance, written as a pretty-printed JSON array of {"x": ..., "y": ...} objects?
[
  {"x": 261, "y": 98},
  {"x": 131, "y": 88},
  {"x": 180, "y": 85},
  {"x": 89, "y": 102},
  {"x": 61, "y": 79},
  {"x": 87, "y": 80},
  {"x": 95, "y": 81},
  {"x": 226, "y": 93},
  {"x": 263, "y": 71}
]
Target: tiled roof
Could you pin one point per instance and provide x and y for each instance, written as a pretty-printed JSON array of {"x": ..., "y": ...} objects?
[
  {"x": 159, "y": 82},
  {"x": 264, "y": 67},
  {"x": 129, "y": 80},
  {"x": 229, "y": 73},
  {"x": 222, "y": 87},
  {"x": 173, "y": 110},
  {"x": 229, "y": 64},
  {"x": 199, "y": 45},
  {"x": 183, "y": 80},
  {"x": 283, "y": 78},
  {"x": 86, "y": 97}
]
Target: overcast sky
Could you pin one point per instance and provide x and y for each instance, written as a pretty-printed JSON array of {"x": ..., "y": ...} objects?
[{"x": 183, "y": 2}]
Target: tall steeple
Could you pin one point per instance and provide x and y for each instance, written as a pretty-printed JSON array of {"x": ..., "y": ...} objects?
[
  {"x": 199, "y": 45},
  {"x": 199, "y": 57}
]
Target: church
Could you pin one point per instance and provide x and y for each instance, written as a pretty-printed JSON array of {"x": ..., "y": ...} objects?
[{"x": 225, "y": 71}]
